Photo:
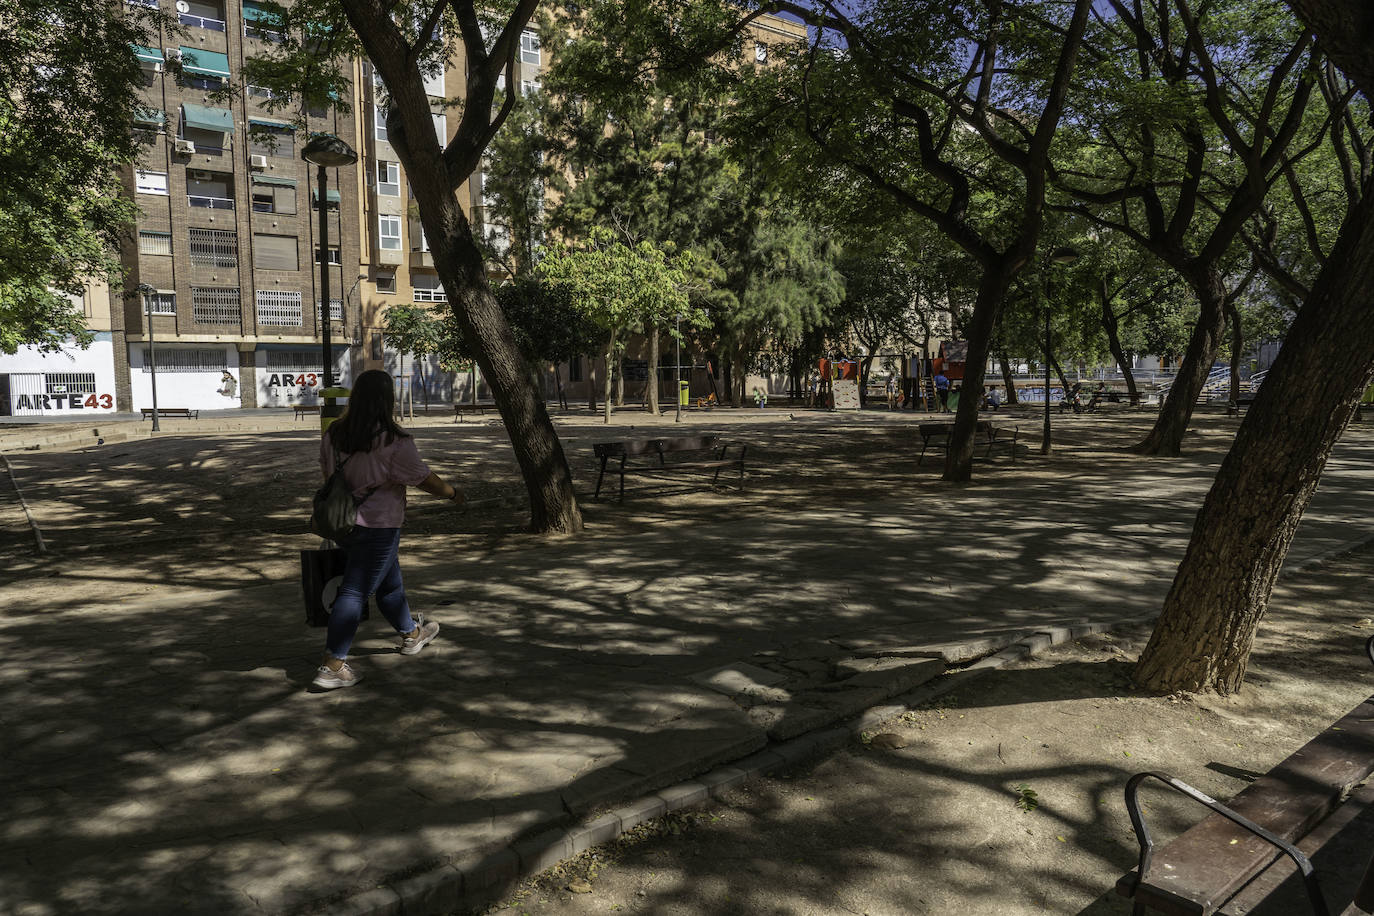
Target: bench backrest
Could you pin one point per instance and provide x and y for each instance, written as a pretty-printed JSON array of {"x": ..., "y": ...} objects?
[{"x": 631, "y": 448}]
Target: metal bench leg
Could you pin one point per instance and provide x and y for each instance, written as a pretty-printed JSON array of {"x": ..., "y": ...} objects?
[
  {"x": 597, "y": 495},
  {"x": 922, "y": 456},
  {"x": 622, "y": 478}
]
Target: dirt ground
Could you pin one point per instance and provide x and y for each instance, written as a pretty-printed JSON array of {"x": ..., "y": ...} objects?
[
  {"x": 1006, "y": 797},
  {"x": 933, "y": 826}
]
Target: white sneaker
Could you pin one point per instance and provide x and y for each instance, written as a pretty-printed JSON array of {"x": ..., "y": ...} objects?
[
  {"x": 411, "y": 645},
  {"x": 329, "y": 679}
]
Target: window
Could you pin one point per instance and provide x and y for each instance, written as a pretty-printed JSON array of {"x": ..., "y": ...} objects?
[
  {"x": 151, "y": 182},
  {"x": 761, "y": 53},
  {"x": 333, "y": 256},
  {"x": 184, "y": 359},
  {"x": 331, "y": 199},
  {"x": 214, "y": 248},
  {"x": 161, "y": 302},
  {"x": 386, "y": 283},
  {"x": 201, "y": 15},
  {"x": 296, "y": 360},
  {"x": 440, "y": 128},
  {"x": 258, "y": 92},
  {"x": 335, "y": 311},
  {"x": 427, "y": 288},
  {"x": 69, "y": 383},
  {"x": 529, "y": 49},
  {"x": 215, "y": 304},
  {"x": 389, "y": 232},
  {"x": 274, "y": 195},
  {"x": 434, "y": 85},
  {"x": 275, "y": 252},
  {"x": 530, "y": 87},
  {"x": 379, "y": 122},
  {"x": 388, "y": 178},
  {"x": 279, "y": 307},
  {"x": 266, "y": 139},
  {"x": 154, "y": 242},
  {"x": 210, "y": 189},
  {"x": 377, "y": 352}
]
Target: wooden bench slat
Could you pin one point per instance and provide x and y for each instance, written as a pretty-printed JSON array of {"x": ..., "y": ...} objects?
[{"x": 1202, "y": 868}]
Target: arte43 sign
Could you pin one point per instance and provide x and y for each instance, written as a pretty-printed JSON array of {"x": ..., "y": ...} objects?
[
  {"x": 74, "y": 401},
  {"x": 286, "y": 379}
]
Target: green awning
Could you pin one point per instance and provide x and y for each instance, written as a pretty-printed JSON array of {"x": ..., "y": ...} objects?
[
  {"x": 206, "y": 63},
  {"x": 270, "y": 124},
  {"x": 153, "y": 116},
  {"x": 253, "y": 12},
  {"x": 148, "y": 55},
  {"x": 331, "y": 195},
  {"x": 270, "y": 179},
  {"x": 202, "y": 117}
]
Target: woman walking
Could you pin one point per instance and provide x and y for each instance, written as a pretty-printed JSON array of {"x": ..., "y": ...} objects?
[{"x": 379, "y": 461}]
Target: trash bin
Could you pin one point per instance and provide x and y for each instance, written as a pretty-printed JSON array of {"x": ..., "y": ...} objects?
[{"x": 682, "y": 392}]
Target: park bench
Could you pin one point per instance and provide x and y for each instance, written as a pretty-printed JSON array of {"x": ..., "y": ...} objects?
[
  {"x": 690, "y": 453},
  {"x": 460, "y": 409},
  {"x": 184, "y": 413},
  {"x": 304, "y": 409},
  {"x": 937, "y": 434},
  {"x": 1235, "y": 857}
]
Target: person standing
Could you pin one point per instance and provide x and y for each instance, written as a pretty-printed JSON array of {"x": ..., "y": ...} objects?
[
  {"x": 942, "y": 390},
  {"x": 891, "y": 392},
  {"x": 379, "y": 461}
]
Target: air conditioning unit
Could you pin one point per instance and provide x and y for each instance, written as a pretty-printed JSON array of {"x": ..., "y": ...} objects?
[
  {"x": 258, "y": 162},
  {"x": 186, "y": 147},
  {"x": 173, "y": 54}
]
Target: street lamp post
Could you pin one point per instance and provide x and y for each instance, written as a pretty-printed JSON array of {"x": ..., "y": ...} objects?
[
  {"x": 1061, "y": 255},
  {"x": 152, "y": 349},
  {"x": 327, "y": 151}
]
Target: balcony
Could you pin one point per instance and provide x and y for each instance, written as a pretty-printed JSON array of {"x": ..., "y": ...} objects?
[
  {"x": 211, "y": 203},
  {"x": 201, "y": 22}
]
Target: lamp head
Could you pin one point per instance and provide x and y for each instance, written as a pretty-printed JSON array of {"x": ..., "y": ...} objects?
[
  {"x": 329, "y": 151},
  {"x": 1064, "y": 255}
]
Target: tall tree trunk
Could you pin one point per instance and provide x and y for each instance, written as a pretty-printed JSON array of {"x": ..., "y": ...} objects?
[
  {"x": 652, "y": 382},
  {"x": 992, "y": 289},
  {"x": 620, "y": 380},
  {"x": 1242, "y": 534},
  {"x": 1237, "y": 341},
  {"x": 610, "y": 361},
  {"x": 548, "y": 480},
  {"x": 1059, "y": 371},
  {"x": 1007, "y": 378},
  {"x": 727, "y": 365},
  {"x": 591, "y": 384},
  {"x": 1166, "y": 437},
  {"x": 1111, "y": 326},
  {"x": 865, "y": 368}
]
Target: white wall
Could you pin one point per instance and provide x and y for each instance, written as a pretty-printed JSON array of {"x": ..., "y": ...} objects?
[
  {"x": 285, "y": 388},
  {"x": 195, "y": 390},
  {"x": 98, "y": 358}
]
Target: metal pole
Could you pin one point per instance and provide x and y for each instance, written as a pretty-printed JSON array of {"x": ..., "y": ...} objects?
[
  {"x": 324, "y": 278},
  {"x": 1045, "y": 442},
  {"x": 152, "y": 358},
  {"x": 677, "y": 363}
]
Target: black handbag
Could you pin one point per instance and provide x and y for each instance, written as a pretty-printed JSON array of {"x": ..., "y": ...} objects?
[{"x": 321, "y": 574}]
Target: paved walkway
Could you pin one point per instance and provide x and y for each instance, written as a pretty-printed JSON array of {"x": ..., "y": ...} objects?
[{"x": 164, "y": 756}]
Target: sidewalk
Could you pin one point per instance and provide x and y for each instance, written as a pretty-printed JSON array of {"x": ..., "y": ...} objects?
[{"x": 163, "y": 755}]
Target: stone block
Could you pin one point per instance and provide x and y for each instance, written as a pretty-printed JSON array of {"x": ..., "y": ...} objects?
[
  {"x": 722, "y": 780},
  {"x": 543, "y": 850},
  {"x": 491, "y": 874},
  {"x": 1037, "y": 642},
  {"x": 683, "y": 795},
  {"x": 381, "y": 901},
  {"x": 436, "y": 891},
  {"x": 737, "y": 678},
  {"x": 760, "y": 763},
  {"x": 602, "y": 830},
  {"x": 640, "y": 810},
  {"x": 891, "y": 675}
]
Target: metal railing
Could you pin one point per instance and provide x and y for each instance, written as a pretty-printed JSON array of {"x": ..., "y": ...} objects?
[
  {"x": 213, "y": 203},
  {"x": 203, "y": 22}
]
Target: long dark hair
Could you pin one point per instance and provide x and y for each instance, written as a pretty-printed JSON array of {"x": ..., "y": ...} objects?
[{"x": 368, "y": 415}]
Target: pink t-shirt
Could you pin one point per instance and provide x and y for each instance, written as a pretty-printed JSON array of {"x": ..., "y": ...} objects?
[{"x": 388, "y": 468}]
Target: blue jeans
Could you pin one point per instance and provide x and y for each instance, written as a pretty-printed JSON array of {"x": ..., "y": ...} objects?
[{"x": 373, "y": 567}]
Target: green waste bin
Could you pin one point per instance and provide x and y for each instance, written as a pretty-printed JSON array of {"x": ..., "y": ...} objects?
[{"x": 682, "y": 393}]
